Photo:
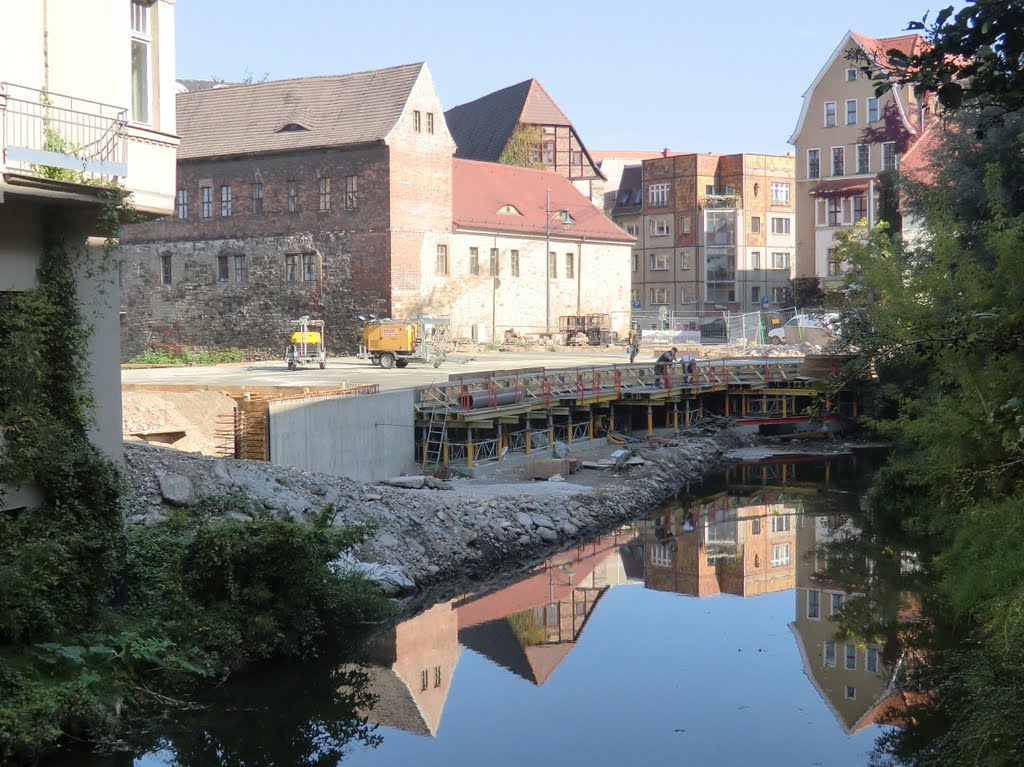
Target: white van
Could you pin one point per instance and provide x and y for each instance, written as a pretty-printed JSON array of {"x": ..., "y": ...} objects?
[{"x": 823, "y": 326}]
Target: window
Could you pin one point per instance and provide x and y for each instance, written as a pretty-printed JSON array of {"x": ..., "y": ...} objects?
[
  {"x": 206, "y": 201},
  {"x": 755, "y": 294},
  {"x": 863, "y": 158},
  {"x": 658, "y": 227},
  {"x": 181, "y": 206},
  {"x": 755, "y": 526},
  {"x": 141, "y": 41},
  {"x": 661, "y": 555},
  {"x": 474, "y": 261},
  {"x": 351, "y": 192},
  {"x": 513, "y": 263},
  {"x": 632, "y": 230},
  {"x": 570, "y": 266},
  {"x": 780, "y": 261},
  {"x": 222, "y": 268},
  {"x": 835, "y": 263},
  {"x": 225, "y": 201},
  {"x": 860, "y": 208},
  {"x": 494, "y": 262},
  {"x": 851, "y": 692},
  {"x": 830, "y": 655},
  {"x": 851, "y": 111},
  {"x": 889, "y": 156},
  {"x": 424, "y": 674},
  {"x": 872, "y": 105},
  {"x": 325, "y": 192},
  {"x": 165, "y": 269},
  {"x": 659, "y": 296},
  {"x": 687, "y": 295},
  {"x": 552, "y": 265},
  {"x": 241, "y": 272},
  {"x": 416, "y": 120},
  {"x": 636, "y": 262},
  {"x": 780, "y": 522},
  {"x": 813, "y": 603},
  {"x": 634, "y": 296},
  {"x": 291, "y": 267},
  {"x": 293, "y": 197},
  {"x": 309, "y": 267},
  {"x": 780, "y": 193},
  {"x": 838, "y": 160},
  {"x": 441, "y": 266},
  {"x": 779, "y": 295},
  {"x": 838, "y": 600},
  {"x": 835, "y": 211},
  {"x": 576, "y": 157},
  {"x": 780, "y": 225},
  {"x": 543, "y": 153},
  {"x": 830, "y": 114},
  {"x": 813, "y": 163},
  {"x": 755, "y": 259},
  {"x": 685, "y": 261},
  {"x": 657, "y": 195},
  {"x": 850, "y": 659},
  {"x": 437, "y": 669},
  {"x": 871, "y": 660},
  {"x": 684, "y": 224},
  {"x": 659, "y": 262},
  {"x": 430, "y": 122},
  {"x": 780, "y": 554},
  {"x": 755, "y": 224},
  {"x": 257, "y": 198},
  {"x": 851, "y": 74}
]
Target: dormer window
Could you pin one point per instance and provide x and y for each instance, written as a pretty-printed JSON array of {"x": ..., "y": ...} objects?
[
  {"x": 509, "y": 210},
  {"x": 292, "y": 128}
]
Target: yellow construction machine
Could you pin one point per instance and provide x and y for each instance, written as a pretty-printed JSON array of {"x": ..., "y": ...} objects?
[
  {"x": 307, "y": 344},
  {"x": 396, "y": 343}
]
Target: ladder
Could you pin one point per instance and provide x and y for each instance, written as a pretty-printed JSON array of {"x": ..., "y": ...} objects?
[{"x": 437, "y": 435}]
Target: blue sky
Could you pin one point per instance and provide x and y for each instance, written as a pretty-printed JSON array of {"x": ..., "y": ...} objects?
[{"x": 721, "y": 76}]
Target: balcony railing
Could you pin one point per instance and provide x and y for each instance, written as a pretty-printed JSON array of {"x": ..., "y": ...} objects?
[{"x": 61, "y": 137}]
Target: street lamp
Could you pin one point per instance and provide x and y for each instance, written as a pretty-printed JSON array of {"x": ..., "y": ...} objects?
[{"x": 567, "y": 221}]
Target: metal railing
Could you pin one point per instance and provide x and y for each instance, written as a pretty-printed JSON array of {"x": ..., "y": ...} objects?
[{"x": 61, "y": 137}]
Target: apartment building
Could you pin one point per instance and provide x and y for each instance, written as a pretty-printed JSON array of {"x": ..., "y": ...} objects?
[
  {"x": 714, "y": 232},
  {"x": 848, "y": 143},
  {"x": 86, "y": 106}
]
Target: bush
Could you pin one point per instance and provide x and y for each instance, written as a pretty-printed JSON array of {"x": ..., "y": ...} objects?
[{"x": 183, "y": 355}]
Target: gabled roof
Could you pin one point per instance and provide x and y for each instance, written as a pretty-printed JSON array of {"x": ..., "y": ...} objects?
[
  {"x": 481, "y": 129},
  {"x": 481, "y": 189},
  {"x": 875, "y": 48},
  {"x": 919, "y": 163},
  {"x": 337, "y": 110}
]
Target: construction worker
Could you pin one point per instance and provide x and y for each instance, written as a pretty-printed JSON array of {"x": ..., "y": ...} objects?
[
  {"x": 661, "y": 364},
  {"x": 632, "y": 344}
]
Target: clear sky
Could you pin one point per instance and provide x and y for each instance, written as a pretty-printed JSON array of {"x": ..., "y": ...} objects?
[{"x": 707, "y": 76}]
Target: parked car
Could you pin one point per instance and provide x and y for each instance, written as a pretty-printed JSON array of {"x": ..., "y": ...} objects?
[{"x": 826, "y": 322}]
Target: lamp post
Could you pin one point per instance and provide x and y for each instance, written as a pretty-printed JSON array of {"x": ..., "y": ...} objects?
[{"x": 567, "y": 221}]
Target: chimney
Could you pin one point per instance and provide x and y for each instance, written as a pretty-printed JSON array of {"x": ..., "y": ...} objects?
[{"x": 664, "y": 152}]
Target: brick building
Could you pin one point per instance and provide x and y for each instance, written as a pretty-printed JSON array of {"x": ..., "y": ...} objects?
[
  {"x": 847, "y": 139},
  {"x": 333, "y": 197},
  {"x": 713, "y": 232},
  {"x": 522, "y": 125}
]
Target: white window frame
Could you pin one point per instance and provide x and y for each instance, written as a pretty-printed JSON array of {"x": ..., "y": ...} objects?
[
  {"x": 817, "y": 153},
  {"x": 846, "y": 112},
  {"x": 846, "y": 656},
  {"x": 780, "y": 193},
  {"x": 835, "y": 115},
  {"x": 836, "y": 600},
  {"x": 659, "y": 262},
  {"x": 658, "y": 227},
  {"x": 755, "y": 260},
  {"x": 636, "y": 262},
  {"x": 140, "y": 25},
  {"x": 780, "y": 260},
  {"x": 657, "y": 195},
  {"x": 661, "y": 555},
  {"x": 684, "y": 225},
  {"x": 782, "y": 554},
  {"x": 780, "y": 225},
  {"x": 832, "y": 157},
  {"x": 871, "y": 660},
  {"x": 889, "y": 159},
  {"x": 850, "y": 692},
  {"x": 865, "y": 150},
  {"x": 848, "y": 71},
  {"x": 826, "y": 662},
  {"x": 869, "y": 102},
  {"x": 226, "y": 202},
  {"x": 181, "y": 204},
  {"x": 683, "y": 298},
  {"x": 778, "y": 294},
  {"x": 685, "y": 261},
  {"x": 755, "y": 225},
  {"x": 658, "y": 296}
]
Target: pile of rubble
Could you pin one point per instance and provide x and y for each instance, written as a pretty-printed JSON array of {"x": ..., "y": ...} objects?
[{"x": 426, "y": 531}]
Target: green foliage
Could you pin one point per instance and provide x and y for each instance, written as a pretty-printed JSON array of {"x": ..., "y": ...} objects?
[
  {"x": 517, "y": 150},
  {"x": 53, "y": 141},
  {"x": 183, "y": 355}
]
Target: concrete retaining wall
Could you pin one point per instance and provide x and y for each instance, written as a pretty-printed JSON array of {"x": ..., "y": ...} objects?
[{"x": 367, "y": 438}]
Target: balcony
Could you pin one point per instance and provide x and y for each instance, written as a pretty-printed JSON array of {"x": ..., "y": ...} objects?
[
  {"x": 720, "y": 201},
  {"x": 61, "y": 138}
]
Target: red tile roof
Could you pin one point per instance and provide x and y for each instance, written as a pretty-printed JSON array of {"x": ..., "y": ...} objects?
[
  {"x": 918, "y": 164},
  {"x": 841, "y": 188},
  {"x": 481, "y": 189},
  {"x": 879, "y": 47}
]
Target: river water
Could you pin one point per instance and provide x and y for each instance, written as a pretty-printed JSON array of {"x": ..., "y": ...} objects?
[{"x": 701, "y": 635}]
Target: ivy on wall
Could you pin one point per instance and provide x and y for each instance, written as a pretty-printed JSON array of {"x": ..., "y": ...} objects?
[{"x": 517, "y": 150}]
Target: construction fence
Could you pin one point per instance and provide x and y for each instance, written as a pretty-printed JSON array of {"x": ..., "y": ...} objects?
[{"x": 668, "y": 326}]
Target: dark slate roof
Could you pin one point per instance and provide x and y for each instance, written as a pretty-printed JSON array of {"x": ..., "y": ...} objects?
[
  {"x": 629, "y": 197},
  {"x": 482, "y": 128},
  {"x": 328, "y": 111}
]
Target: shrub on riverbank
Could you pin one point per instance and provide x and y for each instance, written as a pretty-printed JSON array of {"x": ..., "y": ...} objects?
[{"x": 183, "y": 355}]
